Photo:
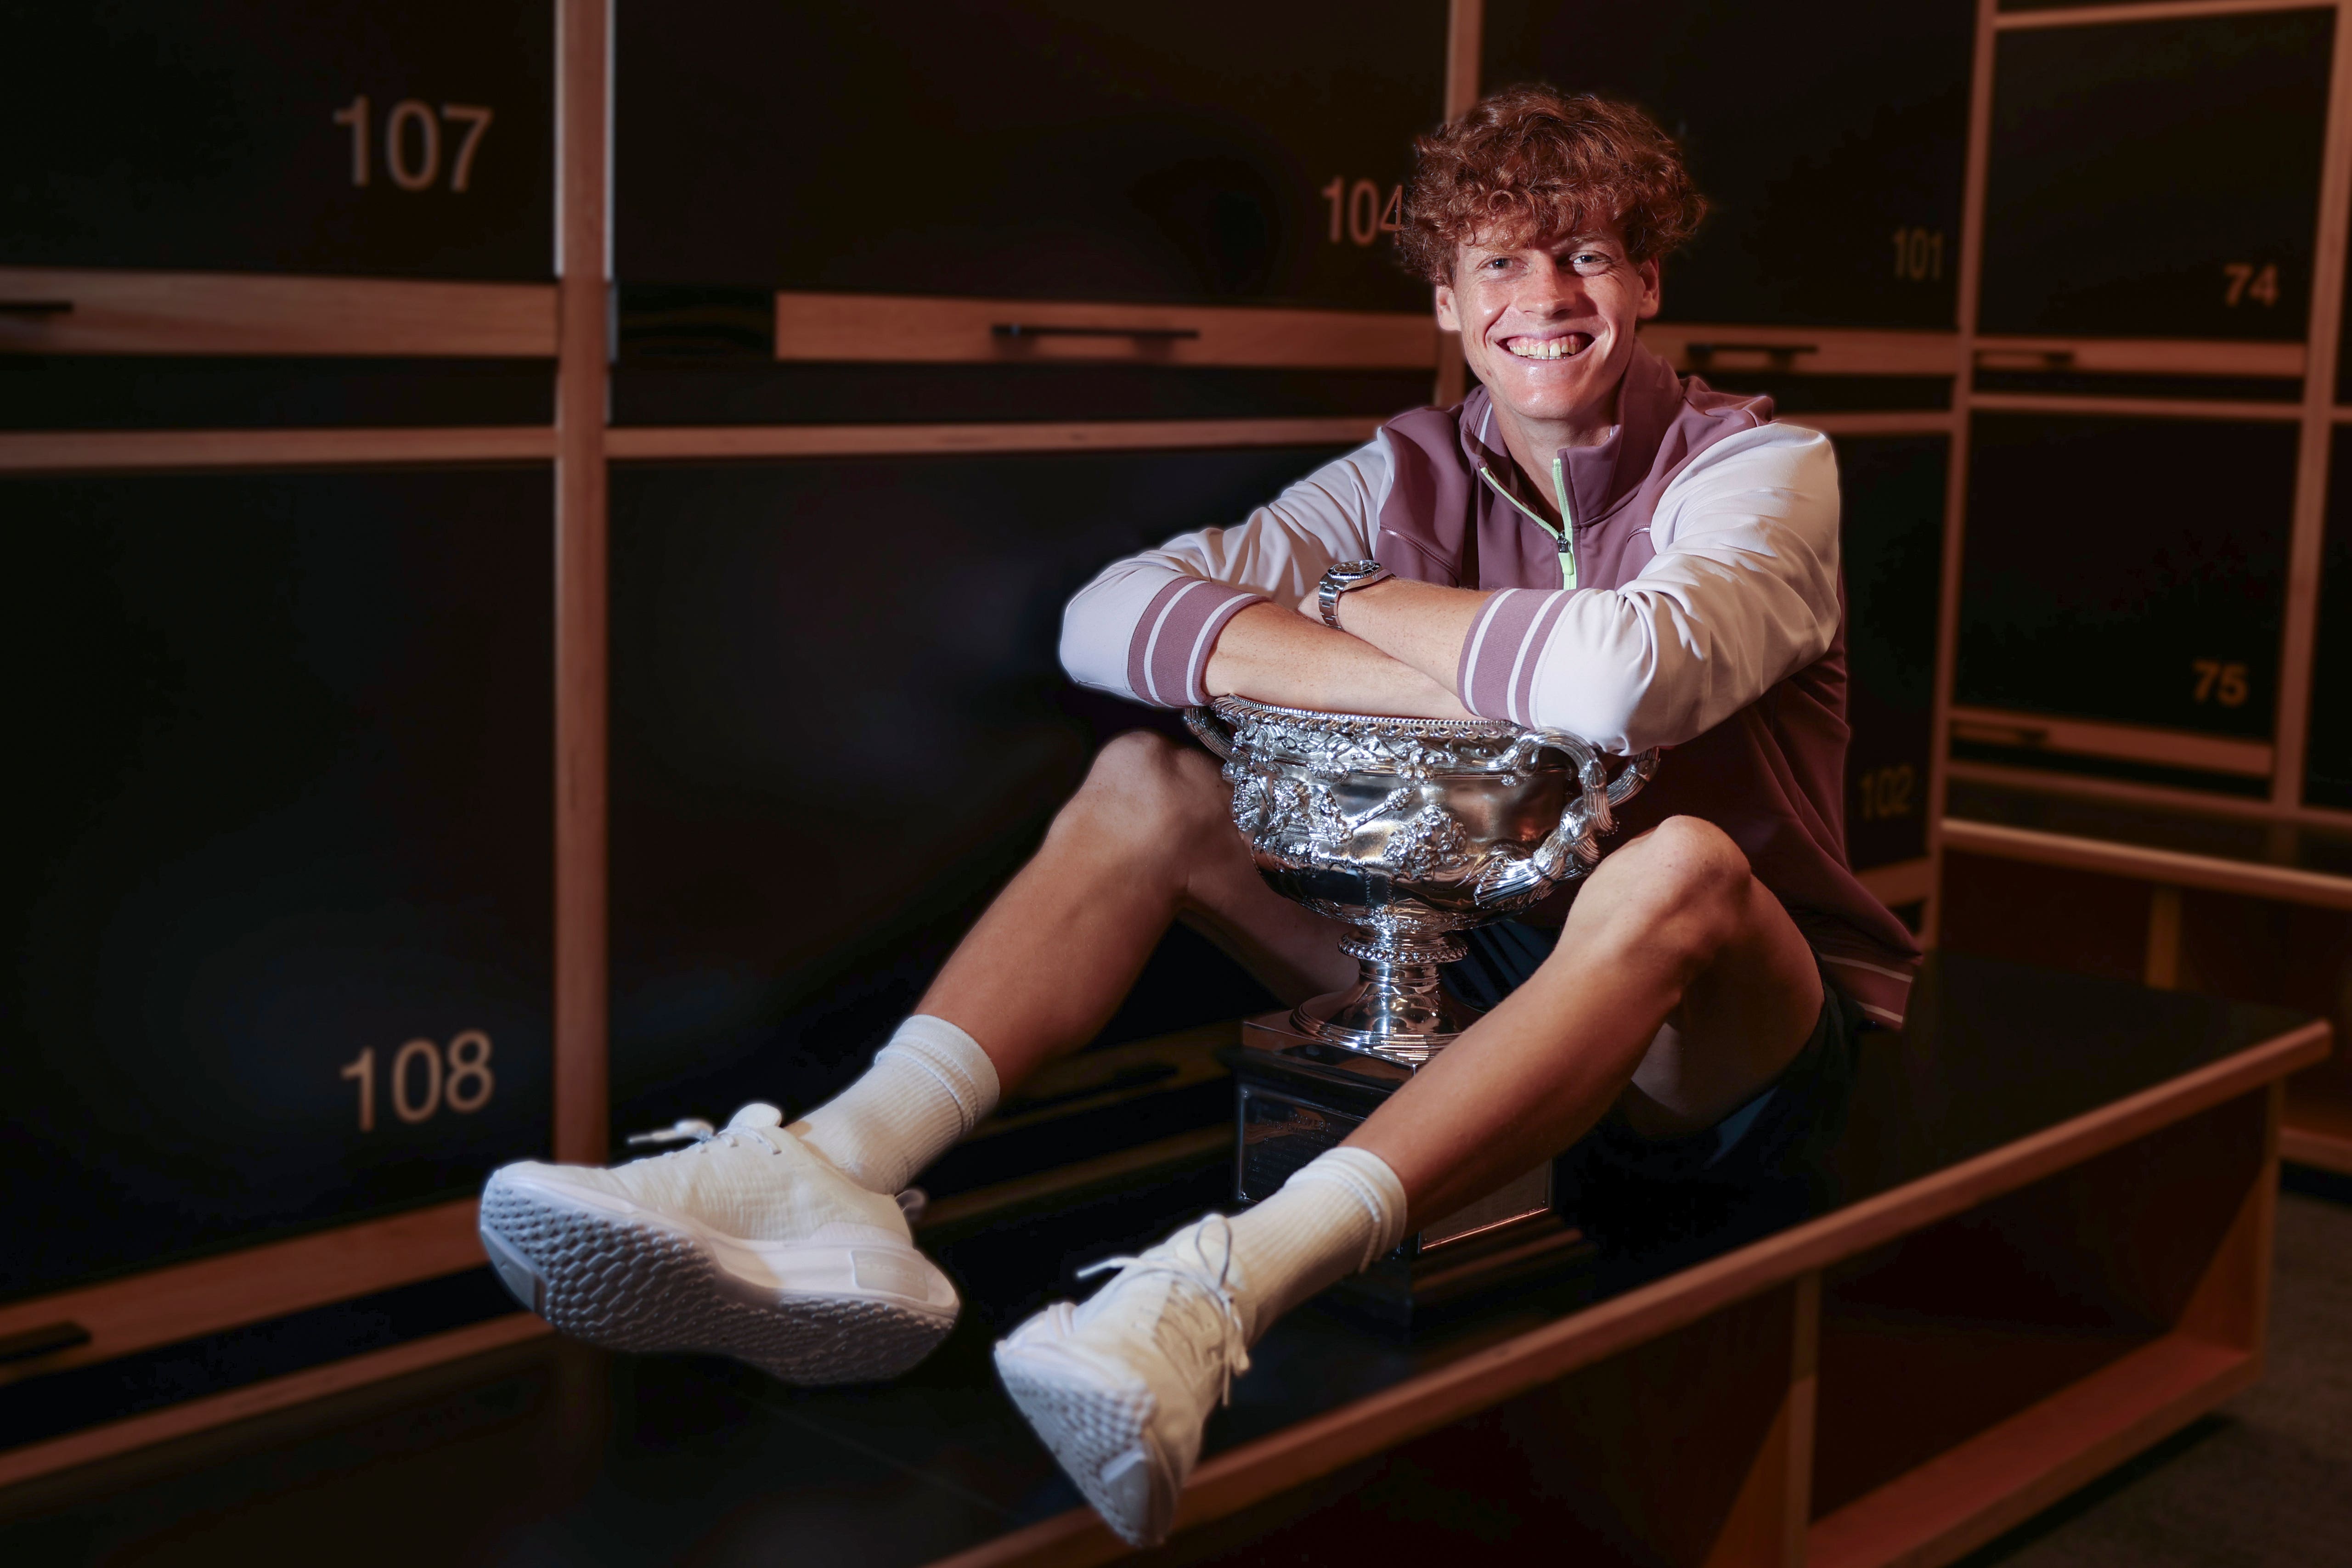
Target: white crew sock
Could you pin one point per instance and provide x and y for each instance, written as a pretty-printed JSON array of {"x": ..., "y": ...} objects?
[
  {"x": 1339, "y": 1213},
  {"x": 928, "y": 1086}
]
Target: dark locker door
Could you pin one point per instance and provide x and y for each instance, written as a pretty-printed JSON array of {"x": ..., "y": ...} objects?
[
  {"x": 839, "y": 721},
  {"x": 281, "y": 900},
  {"x": 1831, "y": 135},
  {"x": 2126, "y": 570},
  {"x": 2156, "y": 179},
  {"x": 241, "y": 135},
  {"x": 1037, "y": 148},
  {"x": 1891, "y": 536},
  {"x": 2327, "y": 779}
]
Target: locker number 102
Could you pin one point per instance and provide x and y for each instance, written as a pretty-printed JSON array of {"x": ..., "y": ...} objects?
[{"x": 423, "y": 1078}]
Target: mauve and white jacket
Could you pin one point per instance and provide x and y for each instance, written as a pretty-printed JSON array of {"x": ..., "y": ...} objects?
[{"x": 1693, "y": 603}]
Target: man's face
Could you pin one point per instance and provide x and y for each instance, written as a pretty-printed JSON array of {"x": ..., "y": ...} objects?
[{"x": 1549, "y": 325}]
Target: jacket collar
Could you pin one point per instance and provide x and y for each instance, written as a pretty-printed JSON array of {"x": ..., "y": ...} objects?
[{"x": 1598, "y": 478}]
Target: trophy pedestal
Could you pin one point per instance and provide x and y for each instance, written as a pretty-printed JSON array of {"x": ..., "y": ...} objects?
[{"x": 1299, "y": 1097}]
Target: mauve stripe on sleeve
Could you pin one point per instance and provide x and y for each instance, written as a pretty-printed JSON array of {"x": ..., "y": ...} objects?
[
  {"x": 1168, "y": 653},
  {"x": 1495, "y": 651}
]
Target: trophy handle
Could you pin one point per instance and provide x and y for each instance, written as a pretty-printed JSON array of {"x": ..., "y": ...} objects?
[
  {"x": 1575, "y": 846},
  {"x": 1210, "y": 731},
  {"x": 1639, "y": 770}
]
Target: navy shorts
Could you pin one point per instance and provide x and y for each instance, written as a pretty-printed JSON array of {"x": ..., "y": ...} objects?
[{"x": 1667, "y": 1200}]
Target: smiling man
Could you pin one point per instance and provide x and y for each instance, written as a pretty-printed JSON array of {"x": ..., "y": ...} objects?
[{"x": 1586, "y": 542}]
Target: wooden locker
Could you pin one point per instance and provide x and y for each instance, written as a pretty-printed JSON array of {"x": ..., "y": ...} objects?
[
  {"x": 1891, "y": 536},
  {"x": 839, "y": 722},
  {"x": 281, "y": 909},
  {"x": 2156, "y": 179},
  {"x": 2129, "y": 571},
  {"x": 2328, "y": 776},
  {"x": 1830, "y": 136}
]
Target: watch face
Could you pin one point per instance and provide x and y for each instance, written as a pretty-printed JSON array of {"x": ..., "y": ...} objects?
[{"x": 1354, "y": 568}]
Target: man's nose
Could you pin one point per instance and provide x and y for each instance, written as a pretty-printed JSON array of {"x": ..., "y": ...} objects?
[{"x": 1549, "y": 290}]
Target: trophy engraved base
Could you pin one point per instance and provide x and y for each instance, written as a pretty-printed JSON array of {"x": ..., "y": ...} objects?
[{"x": 1299, "y": 1095}]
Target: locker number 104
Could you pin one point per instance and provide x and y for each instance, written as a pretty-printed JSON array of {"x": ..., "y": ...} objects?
[
  {"x": 423, "y": 1077},
  {"x": 1360, "y": 211}
]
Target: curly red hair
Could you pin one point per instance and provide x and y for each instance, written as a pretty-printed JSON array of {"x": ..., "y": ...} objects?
[{"x": 1531, "y": 160}]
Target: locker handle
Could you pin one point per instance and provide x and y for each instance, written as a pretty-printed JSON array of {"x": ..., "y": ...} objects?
[
  {"x": 36, "y": 307},
  {"x": 1021, "y": 329},
  {"x": 1781, "y": 354},
  {"x": 2025, "y": 359},
  {"x": 1999, "y": 734},
  {"x": 47, "y": 1340}
]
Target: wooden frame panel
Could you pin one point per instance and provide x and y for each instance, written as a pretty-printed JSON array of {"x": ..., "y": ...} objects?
[
  {"x": 2146, "y": 11},
  {"x": 2128, "y": 743},
  {"x": 132, "y": 451},
  {"x": 1695, "y": 347},
  {"x": 186, "y": 1301},
  {"x": 2141, "y": 356},
  {"x": 260, "y": 1398},
  {"x": 2306, "y": 543},
  {"x": 909, "y": 330},
  {"x": 583, "y": 881},
  {"x": 708, "y": 442},
  {"x": 2169, "y": 868},
  {"x": 2130, "y": 793},
  {"x": 238, "y": 313}
]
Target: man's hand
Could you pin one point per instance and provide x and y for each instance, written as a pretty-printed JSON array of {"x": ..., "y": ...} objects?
[
  {"x": 1273, "y": 655},
  {"x": 1418, "y": 624}
]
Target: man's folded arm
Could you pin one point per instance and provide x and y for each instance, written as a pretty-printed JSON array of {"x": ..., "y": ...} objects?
[
  {"x": 1743, "y": 592},
  {"x": 1209, "y": 613}
]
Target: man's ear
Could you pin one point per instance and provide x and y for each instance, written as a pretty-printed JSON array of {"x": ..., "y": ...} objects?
[
  {"x": 1648, "y": 272},
  {"x": 1448, "y": 321}
]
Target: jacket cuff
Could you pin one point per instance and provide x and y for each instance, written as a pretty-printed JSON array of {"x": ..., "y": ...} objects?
[
  {"x": 1498, "y": 674},
  {"x": 1168, "y": 654}
]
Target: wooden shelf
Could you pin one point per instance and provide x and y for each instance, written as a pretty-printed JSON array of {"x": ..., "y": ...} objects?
[
  {"x": 2010, "y": 1471},
  {"x": 2317, "y": 1131}
]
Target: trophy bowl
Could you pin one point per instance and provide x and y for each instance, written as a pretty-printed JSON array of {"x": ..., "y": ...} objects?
[{"x": 1410, "y": 831}]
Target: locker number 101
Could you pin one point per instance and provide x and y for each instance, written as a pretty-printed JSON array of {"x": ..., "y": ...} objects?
[{"x": 423, "y": 1078}]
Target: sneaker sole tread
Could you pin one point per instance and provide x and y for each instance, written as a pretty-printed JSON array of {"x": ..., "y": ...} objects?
[{"x": 633, "y": 1283}]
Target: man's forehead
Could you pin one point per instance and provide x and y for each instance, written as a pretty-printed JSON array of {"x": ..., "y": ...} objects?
[{"x": 1500, "y": 241}]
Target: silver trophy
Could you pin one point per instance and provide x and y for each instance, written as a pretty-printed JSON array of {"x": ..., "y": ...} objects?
[{"x": 1410, "y": 831}]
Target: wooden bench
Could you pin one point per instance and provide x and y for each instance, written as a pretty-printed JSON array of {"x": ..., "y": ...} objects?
[
  {"x": 2051, "y": 1251},
  {"x": 2237, "y": 906}
]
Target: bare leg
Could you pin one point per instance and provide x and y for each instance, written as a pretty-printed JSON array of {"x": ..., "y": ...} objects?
[
  {"x": 1679, "y": 985},
  {"x": 1148, "y": 837}
]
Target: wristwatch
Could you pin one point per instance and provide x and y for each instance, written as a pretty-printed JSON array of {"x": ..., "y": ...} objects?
[{"x": 1339, "y": 578}]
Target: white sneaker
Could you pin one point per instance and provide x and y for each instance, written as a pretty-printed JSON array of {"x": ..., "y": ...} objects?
[
  {"x": 747, "y": 1243},
  {"x": 1120, "y": 1387}
]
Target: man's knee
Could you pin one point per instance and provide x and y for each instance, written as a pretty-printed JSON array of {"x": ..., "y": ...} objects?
[
  {"x": 1145, "y": 786},
  {"x": 1684, "y": 882}
]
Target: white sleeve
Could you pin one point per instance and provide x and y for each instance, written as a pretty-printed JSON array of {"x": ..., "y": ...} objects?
[
  {"x": 1742, "y": 593},
  {"x": 1144, "y": 627}
]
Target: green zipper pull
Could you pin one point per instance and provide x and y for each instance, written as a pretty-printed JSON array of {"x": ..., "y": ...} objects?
[{"x": 1567, "y": 525}]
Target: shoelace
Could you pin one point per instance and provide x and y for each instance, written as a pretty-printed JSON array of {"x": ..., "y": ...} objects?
[
  {"x": 911, "y": 1202},
  {"x": 703, "y": 1135},
  {"x": 1233, "y": 1346}
]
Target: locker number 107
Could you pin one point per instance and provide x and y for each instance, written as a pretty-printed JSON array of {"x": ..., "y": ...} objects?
[
  {"x": 412, "y": 141},
  {"x": 423, "y": 1077}
]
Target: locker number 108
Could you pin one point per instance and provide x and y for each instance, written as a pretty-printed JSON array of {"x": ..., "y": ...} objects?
[{"x": 423, "y": 1077}]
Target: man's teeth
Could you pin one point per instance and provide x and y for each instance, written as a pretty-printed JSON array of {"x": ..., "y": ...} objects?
[{"x": 1548, "y": 348}]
